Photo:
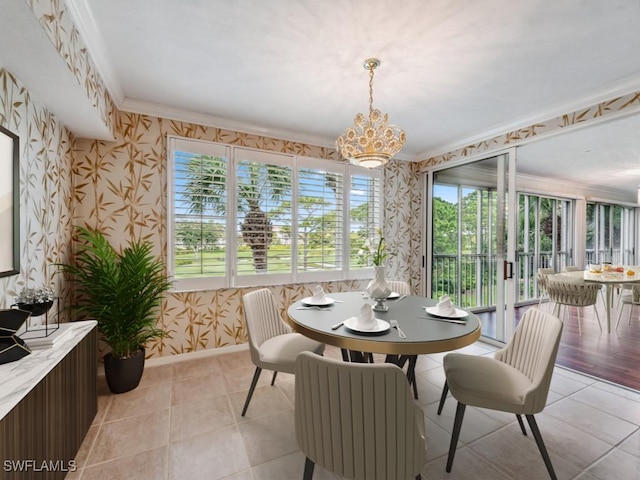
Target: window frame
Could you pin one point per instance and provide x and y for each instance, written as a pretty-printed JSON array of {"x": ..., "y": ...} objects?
[{"x": 231, "y": 279}]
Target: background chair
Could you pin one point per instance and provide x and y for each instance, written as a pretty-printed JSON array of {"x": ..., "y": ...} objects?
[
  {"x": 571, "y": 268},
  {"x": 357, "y": 420},
  {"x": 573, "y": 292},
  {"x": 271, "y": 342},
  {"x": 516, "y": 380},
  {"x": 399, "y": 287},
  {"x": 542, "y": 276},
  {"x": 629, "y": 297}
]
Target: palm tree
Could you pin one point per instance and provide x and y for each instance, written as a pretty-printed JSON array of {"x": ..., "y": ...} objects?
[{"x": 255, "y": 183}]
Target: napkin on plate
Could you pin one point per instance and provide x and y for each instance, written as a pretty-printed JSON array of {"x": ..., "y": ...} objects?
[
  {"x": 445, "y": 307},
  {"x": 318, "y": 294},
  {"x": 366, "y": 320}
]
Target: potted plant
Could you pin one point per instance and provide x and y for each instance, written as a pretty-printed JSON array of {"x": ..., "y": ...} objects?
[{"x": 123, "y": 292}]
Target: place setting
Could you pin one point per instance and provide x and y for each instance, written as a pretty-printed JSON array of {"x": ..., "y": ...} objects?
[
  {"x": 365, "y": 323},
  {"x": 445, "y": 311},
  {"x": 317, "y": 301}
]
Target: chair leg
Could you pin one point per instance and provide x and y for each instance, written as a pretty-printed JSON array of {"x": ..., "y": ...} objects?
[
  {"x": 521, "y": 423},
  {"x": 308, "y": 469},
  {"x": 597, "y": 316},
  {"x": 619, "y": 316},
  {"x": 443, "y": 397},
  {"x": 457, "y": 424},
  {"x": 418, "y": 477},
  {"x": 543, "y": 450},
  {"x": 630, "y": 312},
  {"x": 273, "y": 379},
  {"x": 256, "y": 376},
  {"x": 578, "y": 309}
]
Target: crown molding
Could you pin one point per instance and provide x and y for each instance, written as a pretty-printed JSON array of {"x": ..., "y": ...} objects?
[
  {"x": 90, "y": 33},
  {"x": 625, "y": 87}
]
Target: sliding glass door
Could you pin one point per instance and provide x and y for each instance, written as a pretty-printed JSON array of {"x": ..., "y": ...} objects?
[
  {"x": 610, "y": 234},
  {"x": 470, "y": 259}
]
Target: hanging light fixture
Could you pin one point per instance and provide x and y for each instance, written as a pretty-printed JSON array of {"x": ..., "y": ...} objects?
[{"x": 371, "y": 142}]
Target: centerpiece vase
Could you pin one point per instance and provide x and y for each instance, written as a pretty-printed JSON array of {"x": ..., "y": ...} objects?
[{"x": 378, "y": 289}]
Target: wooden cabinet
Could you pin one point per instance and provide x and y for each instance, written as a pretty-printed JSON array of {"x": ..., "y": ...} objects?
[{"x": 40, "y": 436}]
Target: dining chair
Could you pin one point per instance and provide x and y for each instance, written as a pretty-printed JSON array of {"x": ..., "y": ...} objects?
[
  {"x": 397, "y": 286},
  {"x": 629, "y": 297},
  {"x": 516, "y": 380},
  {"x": 543, "y": 281},
  {"x": 272, "y": 344},
  {"x": 357, "y": 420},
  {"x": 571, "y": 268},
  {"x": 573, "y": 292}
]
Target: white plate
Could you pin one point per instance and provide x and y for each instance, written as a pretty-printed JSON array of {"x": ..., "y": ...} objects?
[
  {"x": 323, "y": 303},
  {"x": 393, "y": 295},
  {"x": 433, "y": 311},
  {"x": 381, "y": 326}
]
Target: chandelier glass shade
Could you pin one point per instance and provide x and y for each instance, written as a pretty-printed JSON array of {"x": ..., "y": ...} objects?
[{"x": 371, "y": 142}]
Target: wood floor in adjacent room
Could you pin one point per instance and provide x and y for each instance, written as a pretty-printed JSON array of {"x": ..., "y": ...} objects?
[{"x": 613, "y": 357}]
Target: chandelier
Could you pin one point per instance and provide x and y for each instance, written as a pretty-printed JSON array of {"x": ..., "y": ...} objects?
[{"x": 371, "y": 142}]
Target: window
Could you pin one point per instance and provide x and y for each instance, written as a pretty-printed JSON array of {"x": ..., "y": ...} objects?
[{"x": 245, "y": 217}]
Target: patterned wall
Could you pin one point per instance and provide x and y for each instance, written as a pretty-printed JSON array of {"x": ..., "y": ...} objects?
[
  {"x": 120, "y": 189},
  {"x": 625, "y": 104},
  {"x": 45, "y": 189}
]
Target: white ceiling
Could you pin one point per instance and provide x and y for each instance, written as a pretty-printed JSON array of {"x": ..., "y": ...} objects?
[{"x": 452, "y": 72}]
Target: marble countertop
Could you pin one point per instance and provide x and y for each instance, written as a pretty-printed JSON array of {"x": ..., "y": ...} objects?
[{"x": 18, "y": 378}]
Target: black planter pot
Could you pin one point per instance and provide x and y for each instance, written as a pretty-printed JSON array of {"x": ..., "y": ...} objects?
[
  {"x": 36, "y": 309},
  {"x": 123, "y": 374}
]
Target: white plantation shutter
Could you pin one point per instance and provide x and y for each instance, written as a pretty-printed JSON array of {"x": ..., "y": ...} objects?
[
  {"x": 246, "y": 217},
  {"x": 319, "y": 220}
]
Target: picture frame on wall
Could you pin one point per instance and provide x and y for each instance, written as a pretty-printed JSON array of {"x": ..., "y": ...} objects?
[{"x": 9, "y": 203}]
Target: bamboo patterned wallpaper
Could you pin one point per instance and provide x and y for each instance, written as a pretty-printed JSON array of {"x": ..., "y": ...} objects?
[
  {"x": 45, "y": 189},
  {"x": 120, "y": 189}
]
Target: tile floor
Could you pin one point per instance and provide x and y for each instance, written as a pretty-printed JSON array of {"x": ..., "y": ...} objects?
[{"x": 183, "y": 422}]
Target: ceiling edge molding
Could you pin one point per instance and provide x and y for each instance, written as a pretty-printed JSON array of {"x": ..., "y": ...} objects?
[
  {"x": 83, "y": 19},
  {"x": 627, "y": 87},
  {"x": 190, "y": 116}
]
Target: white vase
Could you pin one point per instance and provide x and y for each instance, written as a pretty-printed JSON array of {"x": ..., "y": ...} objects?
[{"x": 378, "y": 288}]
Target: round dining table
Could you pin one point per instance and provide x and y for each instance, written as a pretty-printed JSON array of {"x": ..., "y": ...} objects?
[{"x": 424, "y": 333}]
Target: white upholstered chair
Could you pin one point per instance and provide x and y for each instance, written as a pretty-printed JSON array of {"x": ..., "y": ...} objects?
[
  {"x": 573, "y": 292},
  {"x": 357, "y": 420},
  {"x": 272, "y": 344},
  {"x": 516, "y": 380},
  {"x": 399, "y": 287}
]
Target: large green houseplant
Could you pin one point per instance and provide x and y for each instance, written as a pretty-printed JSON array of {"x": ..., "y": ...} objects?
[{"x": 123, "y": 292}]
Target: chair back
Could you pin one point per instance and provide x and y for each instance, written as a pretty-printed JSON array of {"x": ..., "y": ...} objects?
[
  {"x": 533, "y": 350},
  {"x": 542, "y": 277},
  {"x": 358, "y": 420},
  {"x": 399, "y": 287},
  {"x": 572, "y": 268},
  {"x": 263, "y": 319},
  {"x": 575, "y": 292}
]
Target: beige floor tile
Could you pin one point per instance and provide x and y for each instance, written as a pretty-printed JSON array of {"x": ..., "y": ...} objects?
[
  {"x": 288, "y": 388},
  {"x": 266, "y": 400},
  {"x": 130, "y": 436},
  {"x": 155, "y": 375},
  {"x": 564, "y": 385},
  {"x": 289, "y": 467},
  {"x": 438, "y": 440},
  {"x": 210, "y": 456},
  {"x": 467, "y": 465},
  {"x": 195, "y": 418},
  {"x": 104, "y": 402},
  {"x": 632, "y": 444},
  {"x": 235, "y": 360},
  {"x": 246, "y": 475},
  {"x": 617, "y": 465},
  {"x": 149, "y": 465},
  {"x": 239, "y": 380},
  {"x": 269, "y": 437},
  {"x": 87, "y": 444},
  {"x": 427, "y": 391},
  {"x": 196, "y": 368},
  {"x": 476, "y": 423},
  {"x": 616, "y": 405},
  {"x": 140, "y": 401},
  {"x": 518, "y": 456},
  {"x": 590, "y": 420},
  {"x": 195, "y": 388}
]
